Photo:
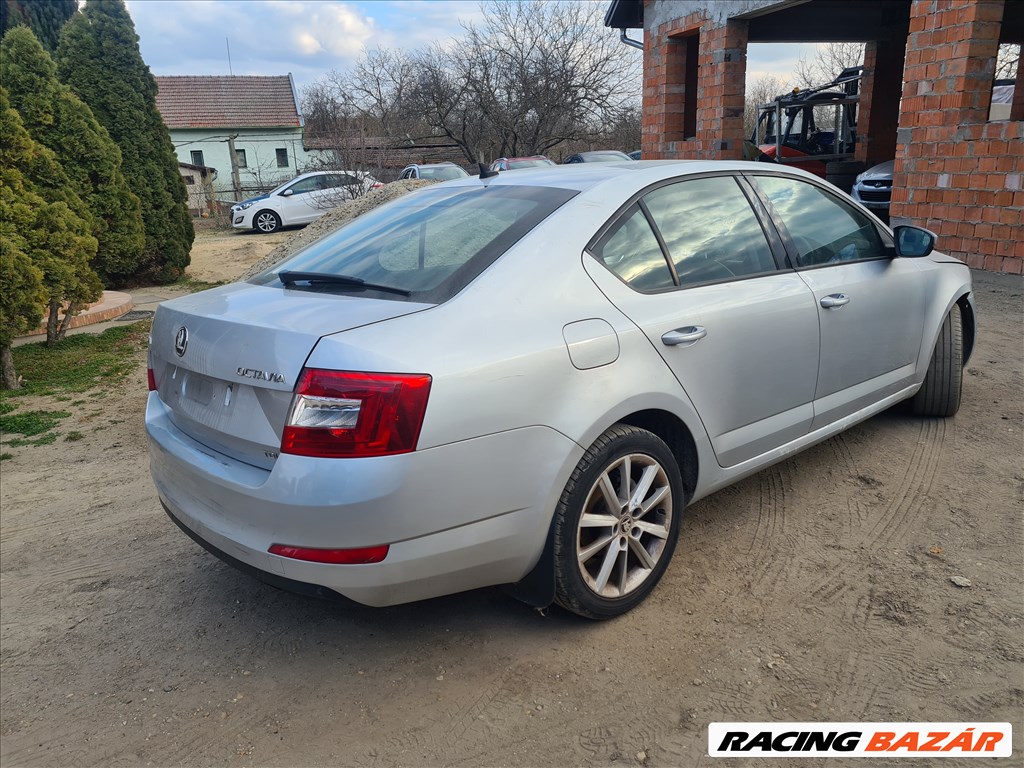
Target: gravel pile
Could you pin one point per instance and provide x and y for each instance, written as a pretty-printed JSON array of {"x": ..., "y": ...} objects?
[{"x": 334, "y": 219}]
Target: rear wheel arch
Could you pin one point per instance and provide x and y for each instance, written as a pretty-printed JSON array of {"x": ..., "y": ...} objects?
[
  {"x": 677, "y": 437},
  {"x": 537, "y": 588}
]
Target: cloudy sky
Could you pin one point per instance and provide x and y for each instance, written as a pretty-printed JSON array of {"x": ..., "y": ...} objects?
[{"x": 309, "y": 38}]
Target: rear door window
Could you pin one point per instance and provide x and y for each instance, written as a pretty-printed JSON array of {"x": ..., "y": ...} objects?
[{"x": 710, "y": 230}]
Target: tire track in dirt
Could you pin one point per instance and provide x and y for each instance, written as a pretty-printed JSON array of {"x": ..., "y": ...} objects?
[
  {"x": 767, "y": 569},
  {"x": 896, "y": 519},
  {"x": 856, "y": 510},
  {"x": 914, "y": 487}
]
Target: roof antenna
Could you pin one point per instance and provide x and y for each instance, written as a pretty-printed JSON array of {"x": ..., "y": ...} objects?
[
  {"x": 228, "y": 44},
  {"x": 484, "y": 173}
]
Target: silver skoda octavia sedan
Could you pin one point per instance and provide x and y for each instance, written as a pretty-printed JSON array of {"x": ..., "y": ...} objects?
[{"x": 523, "y": 380}]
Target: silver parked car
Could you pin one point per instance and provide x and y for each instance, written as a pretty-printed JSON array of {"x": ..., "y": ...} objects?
[
  {"x": 524, "y": 379},
  {"x": 873, "y": 188},
  {"x": 433, "y": 171}
]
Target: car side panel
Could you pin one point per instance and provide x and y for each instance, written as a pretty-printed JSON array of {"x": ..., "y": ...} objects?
[
  {"x": 752, "y": 377},
  {"x": 871, "y": 345}
]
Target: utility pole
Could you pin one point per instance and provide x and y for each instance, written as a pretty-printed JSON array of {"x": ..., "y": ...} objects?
[{"x": 236, "y": 181}]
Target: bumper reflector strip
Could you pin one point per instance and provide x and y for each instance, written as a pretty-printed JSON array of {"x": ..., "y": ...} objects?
[{"x": 361, "y": 556}]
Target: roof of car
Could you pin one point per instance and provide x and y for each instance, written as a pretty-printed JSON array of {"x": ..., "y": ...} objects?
[{"x": 582, "y": 176}]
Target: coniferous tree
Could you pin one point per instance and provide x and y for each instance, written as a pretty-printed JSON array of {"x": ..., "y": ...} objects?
[
  {"x": 59, "y": 120},
  {"x": 22, "y": 298},
  {"x": 44, "y": 220},
  {"x": 44, "y": 17},
  {"x": 99, "y": 58}
]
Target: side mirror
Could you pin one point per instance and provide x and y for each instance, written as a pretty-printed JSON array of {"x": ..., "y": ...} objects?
[
  {"x": 287, "y": 193},
  {"x": 913, "y": 242}
]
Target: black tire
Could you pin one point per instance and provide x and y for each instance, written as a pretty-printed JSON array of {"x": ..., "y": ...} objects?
[
  {"x": 266, "y": 222},
  {"x": 627, "y": 581},
  {"x": 940, "y": 393}
]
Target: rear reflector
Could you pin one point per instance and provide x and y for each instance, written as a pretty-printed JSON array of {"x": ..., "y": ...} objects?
[
  {"x": 152, "y": 379},
  {"x": 341, "y": 414},
  {"x": 361, "y": 556}
]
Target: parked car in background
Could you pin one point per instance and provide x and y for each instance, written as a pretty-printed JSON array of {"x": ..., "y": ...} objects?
[
  {"x": 635, "y": 154},
  {"x": 301, "y": 200},
  {"x": 333, "y": 424},
  {"x": 517, "y": 163},
  {"x": 598, "y": 156},
  {"x": 433, "y": 171},
  {"x": 873, "y": 188}
]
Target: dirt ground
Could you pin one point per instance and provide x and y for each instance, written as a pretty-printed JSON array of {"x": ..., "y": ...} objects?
[{"x": 817, "y": 590}]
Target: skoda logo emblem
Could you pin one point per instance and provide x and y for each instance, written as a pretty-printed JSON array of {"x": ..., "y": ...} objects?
[{"x": 181, "y": 341}]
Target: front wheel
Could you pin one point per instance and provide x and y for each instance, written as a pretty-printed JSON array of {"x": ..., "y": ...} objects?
[
  {"x": 943, "y": 383},
  {"x": 617, "y": 523},
  {"x": 266, "y": 222}
]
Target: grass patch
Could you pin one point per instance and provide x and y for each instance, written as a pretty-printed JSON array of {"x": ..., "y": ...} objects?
[
  {"x": 73, "y": 437},
  {"x": 78, "y": 363},
  {"x": 31, "y": 423},
  {"x": 192, "y": 285},
  {"x": 6, "y": 456},
  {"x": 6, "y": 408},
  {"x": 46, "y": 439}
]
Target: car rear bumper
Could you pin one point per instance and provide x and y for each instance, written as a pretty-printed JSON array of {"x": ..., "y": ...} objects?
[{"x": 456, "y": 517}]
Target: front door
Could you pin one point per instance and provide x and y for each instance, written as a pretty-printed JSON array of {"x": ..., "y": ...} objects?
[{"x": 871, "y": 305}]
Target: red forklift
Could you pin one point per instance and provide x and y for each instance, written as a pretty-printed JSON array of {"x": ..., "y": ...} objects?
[{"x": 814, "y": 128}]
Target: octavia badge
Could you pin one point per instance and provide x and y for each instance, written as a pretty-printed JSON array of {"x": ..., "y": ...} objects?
[{"x": 181, "y": 341}]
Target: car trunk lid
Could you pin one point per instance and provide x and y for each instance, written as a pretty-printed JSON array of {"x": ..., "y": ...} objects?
[{"x": 226, "y": 361}]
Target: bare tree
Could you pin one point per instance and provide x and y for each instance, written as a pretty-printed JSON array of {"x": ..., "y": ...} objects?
[
  {"x": 533, "y": 75},
  {"x": 761, "y": 91},
  {"x": 1007, "y": 61},
  {"x": 828, "y": 61}
]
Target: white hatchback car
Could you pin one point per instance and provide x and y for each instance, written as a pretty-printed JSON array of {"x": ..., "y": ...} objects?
[{"x": 301, "y": 200}]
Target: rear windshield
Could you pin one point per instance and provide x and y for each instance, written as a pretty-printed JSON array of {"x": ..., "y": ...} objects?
[{"x": 430, "y": 244}]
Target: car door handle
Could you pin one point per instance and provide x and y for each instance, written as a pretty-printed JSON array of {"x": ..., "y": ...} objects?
[
  {"x": 687, "y": 335},
  {"x": 835, "y": 300}
]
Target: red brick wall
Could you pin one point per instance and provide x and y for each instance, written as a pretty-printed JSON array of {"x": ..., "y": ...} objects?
[
  {"x": 719, "y": 96},
  {"x": 957, "y": 174}
]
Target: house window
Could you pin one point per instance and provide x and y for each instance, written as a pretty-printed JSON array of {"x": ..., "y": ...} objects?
[
  {"x": 282, "y": 158},
  {"x": 197, "y": 157},
  {"x": 189, "y": 180},
  {"x": 240, "y": 158}
]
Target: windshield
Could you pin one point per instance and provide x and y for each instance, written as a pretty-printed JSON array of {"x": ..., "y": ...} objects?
[
  {"x": 429, "y": 244},
  {"x": 443, "y": 173}
]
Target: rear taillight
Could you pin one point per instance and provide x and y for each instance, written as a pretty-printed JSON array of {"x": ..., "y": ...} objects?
[
  {"x": 152, "y": 379},
  {"x": 341, "y": 414}
]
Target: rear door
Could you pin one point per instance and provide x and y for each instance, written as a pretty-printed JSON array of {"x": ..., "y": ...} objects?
[
  {"x": 871, "y": 305},
  {"x": 691, "y": 265}
]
